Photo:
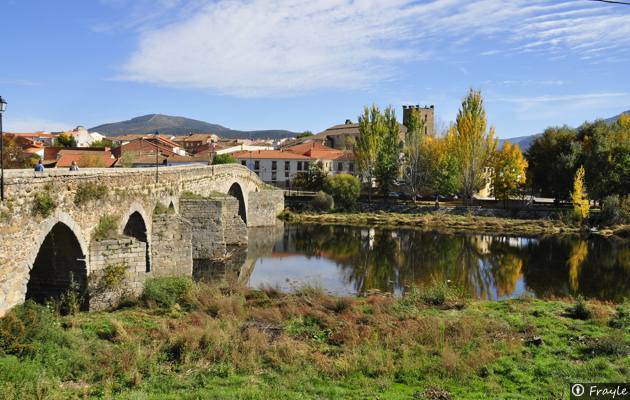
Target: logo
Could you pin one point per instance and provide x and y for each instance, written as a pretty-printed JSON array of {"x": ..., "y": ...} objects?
[{"x": 577, "y": 390}]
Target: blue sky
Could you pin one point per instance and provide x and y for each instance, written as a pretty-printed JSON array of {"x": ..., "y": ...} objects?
[{"x": 309, "y": 64}]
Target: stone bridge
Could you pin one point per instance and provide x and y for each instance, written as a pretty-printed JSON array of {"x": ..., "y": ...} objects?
[{"x": 104, "y": 231}]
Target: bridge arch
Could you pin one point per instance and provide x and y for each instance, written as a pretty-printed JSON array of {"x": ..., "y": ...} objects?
[
  {"x": 60, "y": 262},
  {"x": 135, "y": 224},
  {"x": 236, "y": 191}
]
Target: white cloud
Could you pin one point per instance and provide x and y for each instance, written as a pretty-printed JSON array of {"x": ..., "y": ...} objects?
[
  {"x": 35, "y": 125},
  {"x": 285, "y": 47}
]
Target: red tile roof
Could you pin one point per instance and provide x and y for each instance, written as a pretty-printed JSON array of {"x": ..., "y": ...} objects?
[{"x": 85, "y": 158}]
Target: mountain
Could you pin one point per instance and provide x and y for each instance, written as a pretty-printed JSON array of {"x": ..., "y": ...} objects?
[
  {"x": 614, "y": 119},
  {"x": 170, "y": 125},
  {"x": 523, "y": 141}
]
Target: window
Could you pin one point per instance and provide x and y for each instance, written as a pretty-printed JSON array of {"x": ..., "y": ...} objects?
[
  {"x": 243, "y": 162},
  {"x": 305, "y": 165},
  {"x": 274, "y": 176},
  {"x": 274, "y": 165},
  {"x": 339, "y": 166},
  {"x": 256, "y": 164},
  {"x": 286, "y": 174},
  {"x": 299, "y": 165},
  {"x": 351, "y": 167},
  {"x": 287, "y": 165}
]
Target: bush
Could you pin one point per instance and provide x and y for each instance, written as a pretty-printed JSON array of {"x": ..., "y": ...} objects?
[
  {"x": 579, "y": 310},
  {"x": 622, "y": 319},
  {"x": 624, "y": 209},
  {"x": 44, "y": 204},
  {"x": 166, "y": 292},
  {"x": 224, "y": 159},
  {"x": 322, "y": 202},
  {"x": 344, "y": 188},
  {"x": 88, "y": 192},
  {"x": 106, "y": 228}
]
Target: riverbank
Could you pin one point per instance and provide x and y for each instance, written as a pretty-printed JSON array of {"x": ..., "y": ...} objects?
[
  {"x": 183, "y": 340},
  {"x": 451, "y": 223}
]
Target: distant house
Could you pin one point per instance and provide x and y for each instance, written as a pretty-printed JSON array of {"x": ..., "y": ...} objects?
[
  {"x": 193, "y": 142},
  {"x": 147, "y": 152},
  {"x": 27, "y": 144},
  {"x": 62, "y": 157},
  {"x": 280, "y": 167},
  {"x": 43, "y": 138}
]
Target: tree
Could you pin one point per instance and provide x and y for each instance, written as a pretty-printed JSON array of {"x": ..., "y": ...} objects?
[
  {"x": 579, "y": 197},
  {"x": 102, "y": 143},
  {"x": 224, "y": 159},
  {"x": 344, "y": 188},
  {"x": 371, "y": 126},
  {"x": 475, "y": 145},
  {"x": 304, "y": 134},
  {"x": 14, "y": 156},
  {"x": 552, "y": 159},
  {"x": 388, "y": 160},
  {"x": 66, "y": 140},
  {"x": 417, "y": 159},
  {"x": 508, "y": 174},
  {"x": 312, "y": 179}
]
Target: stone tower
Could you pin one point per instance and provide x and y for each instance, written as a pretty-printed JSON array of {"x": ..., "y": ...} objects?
[{"x": 426, "y": 114}]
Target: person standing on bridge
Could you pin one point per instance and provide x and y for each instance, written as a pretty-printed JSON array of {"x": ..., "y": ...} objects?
[{"x": 74, "y": 166}]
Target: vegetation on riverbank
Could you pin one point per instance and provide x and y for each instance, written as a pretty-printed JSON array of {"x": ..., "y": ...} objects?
[
  {"x": 450, "y": 223},
  {"x": 183, "y": 341}
]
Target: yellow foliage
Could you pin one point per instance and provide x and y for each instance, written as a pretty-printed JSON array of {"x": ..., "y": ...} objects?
[
  {"x": 508, "y": 172},
  {"x": 579, "y": 197}
]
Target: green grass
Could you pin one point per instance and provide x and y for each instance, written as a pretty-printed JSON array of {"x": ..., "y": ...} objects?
[{"x": 192, "y": 341}]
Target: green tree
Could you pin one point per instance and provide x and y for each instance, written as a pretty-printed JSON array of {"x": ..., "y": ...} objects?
[
  {"x": 508, "y": 175},
  {"x": 552, "y": 160},
  {"x": 579, "y": 197},
  {"x": 344, "y": 188},
  {"x": 388, "y": 160},
  {"x": 366, "y": 147},
  {"x": 475, "y": 145},
  {"x": 66, "y": 140},
  {"x": 304, "y": 134},
  {"x": 102, "y": 143},
  {"x": 224, "y": 159}
]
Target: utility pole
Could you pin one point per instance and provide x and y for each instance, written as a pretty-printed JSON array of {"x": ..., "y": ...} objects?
[
  {"x": 157, "y": 158},
  {"x": 3, "y": 106}
]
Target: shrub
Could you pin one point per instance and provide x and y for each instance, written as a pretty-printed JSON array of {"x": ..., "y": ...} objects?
[
  {"x": 622, "y": 319},
  {"x": 579, "y": 310},
  {"x": 166, "y": 292},
  {"x": 322, "y": 202},
  {"x": 44, "y": 204},
  {"x": 161, "y": 209},
  {"x": 224, "y": 159},
  {"x": 344, "y": 188},
  {"x": 89, "y": 192},
  {"x": 106, "y": 228},
  {"x": 624, "y": 209}
]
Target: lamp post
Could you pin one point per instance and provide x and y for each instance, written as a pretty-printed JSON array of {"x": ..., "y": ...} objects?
[
  {"x": 157, "y": 154},
  {"x": 3, "y": 106}
]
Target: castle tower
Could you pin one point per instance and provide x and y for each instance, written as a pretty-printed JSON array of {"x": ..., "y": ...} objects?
[{"x": 427, "y": 114}]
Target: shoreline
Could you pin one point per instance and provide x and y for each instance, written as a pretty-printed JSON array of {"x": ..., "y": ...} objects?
[{"x": 449, "y": 223}]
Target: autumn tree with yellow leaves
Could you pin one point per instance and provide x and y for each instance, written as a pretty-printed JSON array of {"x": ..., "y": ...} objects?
[
  {"x": 579, "y": 197},
  {"x": 509, "y": 172}
]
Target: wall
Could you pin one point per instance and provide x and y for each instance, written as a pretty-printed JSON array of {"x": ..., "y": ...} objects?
[
  {"x": 264, "y": 206},
  {"x": 118, "y": 270},
  {"x": 172, "y": 246}
]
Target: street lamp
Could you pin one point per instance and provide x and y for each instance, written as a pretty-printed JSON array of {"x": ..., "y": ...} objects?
[
  {"x": 157, "y": 153},
  {"x": 3, "y": 106}
]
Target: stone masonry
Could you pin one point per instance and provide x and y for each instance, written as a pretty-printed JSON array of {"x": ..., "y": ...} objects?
[{"x": 37, "y": 202}]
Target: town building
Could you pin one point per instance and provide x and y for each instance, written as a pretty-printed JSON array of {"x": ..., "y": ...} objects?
[
  {"x": 62, "y": 157},
  {"x": 192, "y": 143}
]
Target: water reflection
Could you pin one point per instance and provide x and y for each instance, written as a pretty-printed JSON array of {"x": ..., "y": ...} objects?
[{"x": 350, "y": 260}]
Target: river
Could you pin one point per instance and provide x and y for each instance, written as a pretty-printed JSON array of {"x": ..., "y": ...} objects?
[{"x": 346, "y": 260}]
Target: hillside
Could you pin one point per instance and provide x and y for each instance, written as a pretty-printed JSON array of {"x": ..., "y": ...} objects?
[
  {"x": 172, "y": 125},
  {"x": 524, "y": 142}
]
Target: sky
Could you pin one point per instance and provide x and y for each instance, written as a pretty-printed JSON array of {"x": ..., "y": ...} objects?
[{"x": 310, "y": 64}]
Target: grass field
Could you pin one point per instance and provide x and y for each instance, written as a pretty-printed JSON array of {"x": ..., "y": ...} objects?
[{"x": 183, "y": 340}]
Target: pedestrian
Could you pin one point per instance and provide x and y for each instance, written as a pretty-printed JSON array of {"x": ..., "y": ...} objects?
[
  {"x": 74, "y": 166},
  {"x": 39, "y": 167}
]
